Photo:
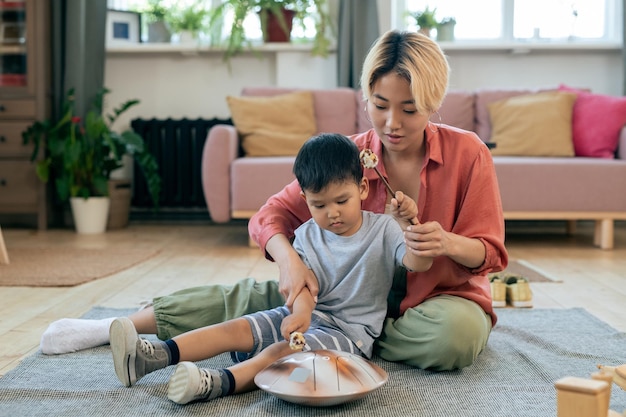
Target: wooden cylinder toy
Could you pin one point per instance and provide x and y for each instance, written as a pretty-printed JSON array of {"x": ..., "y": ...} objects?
[{"x": 604, "y": 376}]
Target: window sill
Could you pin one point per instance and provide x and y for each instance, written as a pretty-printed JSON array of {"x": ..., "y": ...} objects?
[
  {"x": 196, "y": 49},
  {"x": 527, "y": 47}
]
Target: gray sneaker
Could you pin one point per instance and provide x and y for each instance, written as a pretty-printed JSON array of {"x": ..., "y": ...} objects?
[
  {"x": 134, "y": 357},
  {"x": 189, "y": 383}
]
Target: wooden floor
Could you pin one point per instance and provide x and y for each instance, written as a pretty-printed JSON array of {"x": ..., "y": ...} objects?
[{"x": 200, "y": 253}]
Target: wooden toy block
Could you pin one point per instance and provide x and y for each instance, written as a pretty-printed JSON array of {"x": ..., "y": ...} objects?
[
  {"x": 604, "y": 376},
  {"x": 579, "y": 397}
]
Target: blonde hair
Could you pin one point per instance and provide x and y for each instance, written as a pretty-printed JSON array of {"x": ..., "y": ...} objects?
[{"x": 414, "y": 57}]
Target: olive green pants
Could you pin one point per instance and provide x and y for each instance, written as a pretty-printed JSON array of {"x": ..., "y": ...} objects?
[{"x": 442, "y": 333}]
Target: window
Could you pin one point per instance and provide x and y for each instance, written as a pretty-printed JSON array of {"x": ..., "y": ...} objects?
[
  {"x": 525, "y": 20},
  {"x": 251, "y": 23}
]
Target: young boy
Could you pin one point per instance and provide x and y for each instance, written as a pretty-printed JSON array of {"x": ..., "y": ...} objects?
[{"x": 353, "y": 254}]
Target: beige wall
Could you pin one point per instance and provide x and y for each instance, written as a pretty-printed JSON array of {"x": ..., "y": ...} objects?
[{"x": 176, "y": 84}]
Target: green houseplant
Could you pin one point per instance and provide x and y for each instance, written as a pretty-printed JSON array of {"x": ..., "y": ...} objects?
[
  {"x": 237, "y": 40},
  {"x": 79, "y": 155},
  {"x": 445, "y": 29},
  {"x": 156, "y": 15},
  {"x": 425, "y": 19},
  {"x": 192, "y": 19}
]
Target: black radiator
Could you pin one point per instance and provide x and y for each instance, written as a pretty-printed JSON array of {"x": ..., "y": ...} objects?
[{"x": 177, "y": 146}]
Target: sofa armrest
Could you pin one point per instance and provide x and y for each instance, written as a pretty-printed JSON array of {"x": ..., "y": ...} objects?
[
  {"x": 220, "y": 150},
  {"x": 621, "y": 144}
]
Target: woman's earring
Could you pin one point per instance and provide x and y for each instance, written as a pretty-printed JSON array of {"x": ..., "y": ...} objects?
[
  {"x": 366, "y": 115},
  {"x": 437, "y": 125}
]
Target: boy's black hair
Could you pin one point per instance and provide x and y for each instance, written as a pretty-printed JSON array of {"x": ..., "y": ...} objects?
[{"x": 325, "y": 159}]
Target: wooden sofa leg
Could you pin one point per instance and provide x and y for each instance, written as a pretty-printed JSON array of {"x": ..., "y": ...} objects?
[
  {"x": 252, "y": 243},
  {"x": 603, "y": 234},
  {"x": 4, "y": 256},
  {"x": 571, "y": 227}
]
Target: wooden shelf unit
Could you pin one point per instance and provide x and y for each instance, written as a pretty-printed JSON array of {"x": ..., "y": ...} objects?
[{"x": 24, "y": 98}]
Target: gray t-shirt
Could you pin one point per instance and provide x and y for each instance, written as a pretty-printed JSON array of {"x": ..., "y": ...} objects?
[{"x": 354, "y": 273}]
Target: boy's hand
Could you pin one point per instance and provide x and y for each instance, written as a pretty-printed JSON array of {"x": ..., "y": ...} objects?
[
  {"x": 295, "y": 323},
  {"x": 404, "y": 208}
]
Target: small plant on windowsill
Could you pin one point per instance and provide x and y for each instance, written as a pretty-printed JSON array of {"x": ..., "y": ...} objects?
[
  {"x": 155, "y": 18},
  {"x": 193, "y": 19},
  {"x": 445, "y": 29},
  {"x": 425, "y": 19}
]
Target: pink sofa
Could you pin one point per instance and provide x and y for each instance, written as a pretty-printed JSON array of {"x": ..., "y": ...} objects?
[{"x": 532, "y": 188}]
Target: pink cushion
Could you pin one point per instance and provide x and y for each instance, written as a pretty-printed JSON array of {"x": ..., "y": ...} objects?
[
  {"x": 362, "y": 122},
  {"x": 456, "y": 110},
  {"x": 334, "y": 108},
  {"x": 255, "y": 179},
  {"x": 596, "y": 123}
]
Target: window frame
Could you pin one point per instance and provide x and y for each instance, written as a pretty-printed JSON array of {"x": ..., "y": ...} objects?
[{"x": 612, "y": 39}]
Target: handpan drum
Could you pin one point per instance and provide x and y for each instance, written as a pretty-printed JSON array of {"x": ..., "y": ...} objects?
[{"x": 321, "y": 378}]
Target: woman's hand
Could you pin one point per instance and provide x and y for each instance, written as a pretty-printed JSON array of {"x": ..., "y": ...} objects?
[
  {"x": 293, "y": 277},
  {"x": 431, "y": 240},
  {"x": 293, "y": 273}
]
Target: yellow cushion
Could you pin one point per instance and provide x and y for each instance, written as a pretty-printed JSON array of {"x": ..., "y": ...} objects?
[
  {"x": 538, "y": 124},
  {"x": 273, "y": 126}
]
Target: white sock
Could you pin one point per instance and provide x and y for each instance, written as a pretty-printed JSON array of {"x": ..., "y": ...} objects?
[{"x": 70, "y": 335}]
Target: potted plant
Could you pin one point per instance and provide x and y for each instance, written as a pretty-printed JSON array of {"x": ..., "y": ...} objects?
[
  {"x": 445, "y": 29},
  {"x": 425, "y": 20},
  {"x": 156, "y": 17},
  {"x": 269, "y": 10},
  {"x": 188, "y": 21},
  {"x": 80, "y": 155}
]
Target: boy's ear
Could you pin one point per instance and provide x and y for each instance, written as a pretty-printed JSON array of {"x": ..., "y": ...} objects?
[
  {"x": 364, "y": 188},
  {"x": 302, "y": 195}
]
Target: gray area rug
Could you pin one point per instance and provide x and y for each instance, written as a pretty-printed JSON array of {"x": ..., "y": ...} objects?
[{"x": 514, "y": 376}]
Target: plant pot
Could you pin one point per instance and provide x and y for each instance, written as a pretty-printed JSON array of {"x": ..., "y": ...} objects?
[
  {"x": 273, "y": 31},
  {"x": 186, "y": 37},
  {"x": 424, "y": 31},
  {"x": 120, "y": 195},
  {"x": 445, "y": 33},
  {"x": 158, "y": 32},
  {"x": 90, "y": 214}
]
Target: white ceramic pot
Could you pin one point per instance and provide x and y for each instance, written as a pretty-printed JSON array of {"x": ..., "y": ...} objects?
[
  {"x": 90, "y": 214},
  {"x": 186, "y": 37},
  {"x": 158, "y": 32}
]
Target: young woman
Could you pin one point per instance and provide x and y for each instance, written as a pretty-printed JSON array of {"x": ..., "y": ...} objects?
[{"x": 439, "y": 319}]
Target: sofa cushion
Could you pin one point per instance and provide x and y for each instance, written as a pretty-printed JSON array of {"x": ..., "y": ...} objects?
[
  {"x": 254, "y": 180},
  {"x": 335, "y": 109},
  {"x": 363, "y": 123},
  {"x": 456, "y": 110},
  {"x": 482, "y": 100},
  {"x": 264, "y": 128},
  {"x": 596, "y": 123},
  {"x": 537, "y": 124}
]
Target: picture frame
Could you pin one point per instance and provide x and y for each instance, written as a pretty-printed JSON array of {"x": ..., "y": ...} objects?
[
  {"x": 123, "y": 27},
  {"x": 12, "y": 32}
]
